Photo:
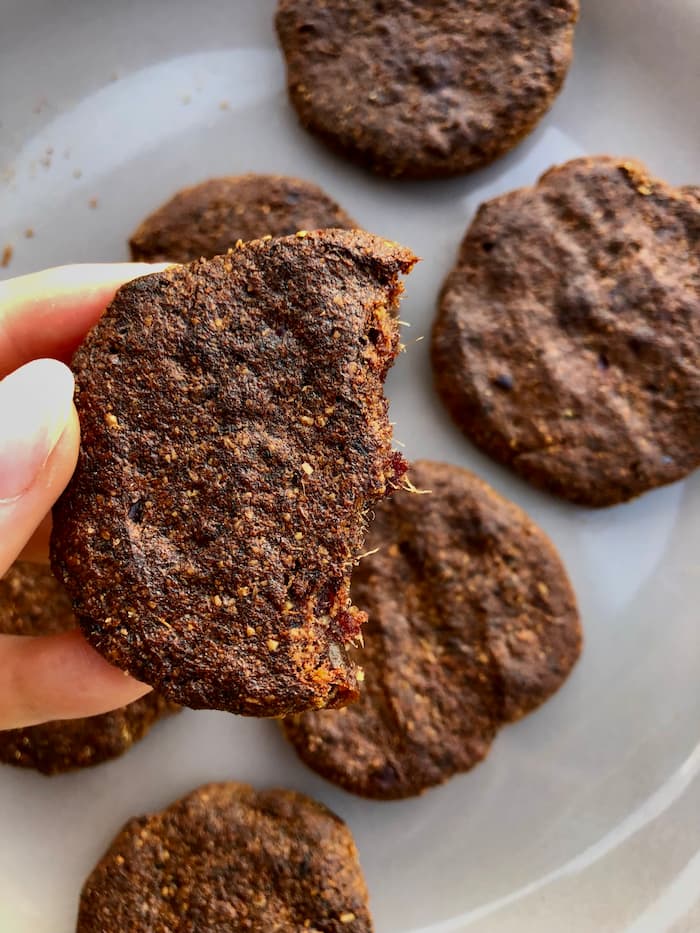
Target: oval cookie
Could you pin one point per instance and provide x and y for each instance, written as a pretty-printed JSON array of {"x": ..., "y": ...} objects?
[
  {"x": 228, "y": 857},
  {"x": 234, "y": 435},
  {"x": 567, "y": 341},
  {"x": 472, "y": 624},
  {"x": 422, "y": 90},
  {"x": 208, "y": 219}
]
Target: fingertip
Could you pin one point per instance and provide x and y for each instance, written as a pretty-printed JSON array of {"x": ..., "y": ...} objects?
[
  {"x": 52, "y": 374},
  {"x": 36, "y": 408},
  {"x": 25, "y": 516}
]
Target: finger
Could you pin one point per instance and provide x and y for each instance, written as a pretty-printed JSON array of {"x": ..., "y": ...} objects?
[
  {"x": 58, "y": 677},
  {"x": 48, "y": 313},
  {"x": 39, "y": 440}
]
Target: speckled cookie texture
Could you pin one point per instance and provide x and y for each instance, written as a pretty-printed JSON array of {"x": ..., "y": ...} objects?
[
  {"x": 234, "y": 438},
  {"x": 424, "y": 88},
  {"x": 208, "y": 219},
  {"x": 229, "y": 858},
  {"x": 567, "y": 341},
  {"x": 472, "y": 623},
  {"x": 33, "y": 602}
]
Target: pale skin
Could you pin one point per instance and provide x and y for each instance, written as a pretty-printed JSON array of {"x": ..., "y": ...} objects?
[{"x": 43, "y": 318}]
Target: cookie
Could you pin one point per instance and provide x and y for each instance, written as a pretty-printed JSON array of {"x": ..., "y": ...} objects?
[
  {"x": 33, "y": 602},
  {"x": 423, "y": 90},
  {"x": 234, "y": 437},
  {"x": 567, "y": 341},
  {"x": 472, "y": 624},
  {"x": 228, "y": 858},
  {"x": 208, "y": 219}
]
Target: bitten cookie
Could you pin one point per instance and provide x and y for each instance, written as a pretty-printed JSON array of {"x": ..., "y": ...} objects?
[
  {"x": 228, "y": 857},
  {"x": 208, "y": 219},
  {"x": 421, "y": 90},
  {"x": 567, "y": 341},
  {"x": 33, "y": 602},
  {"x": 234, "y": 437},
  {"x": 472, "y": 624}
]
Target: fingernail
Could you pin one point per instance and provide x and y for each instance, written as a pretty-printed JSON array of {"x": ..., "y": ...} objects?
[{"x": 35, "y": 405}]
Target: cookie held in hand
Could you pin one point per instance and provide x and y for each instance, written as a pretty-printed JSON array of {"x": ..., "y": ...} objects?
[{"x": 234, "y": 438}]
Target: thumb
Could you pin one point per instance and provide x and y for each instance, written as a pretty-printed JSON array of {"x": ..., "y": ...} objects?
[{"x": 39, "y": 439}]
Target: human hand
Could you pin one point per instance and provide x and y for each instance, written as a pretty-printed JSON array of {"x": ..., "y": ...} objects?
[{"x": 43, "y": 318}]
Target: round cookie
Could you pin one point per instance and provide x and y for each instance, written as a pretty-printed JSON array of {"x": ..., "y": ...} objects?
[
  {"x": 472, "y": 623},
  {"x": 424, "y": 89},
  {"x": 33, "y": 602},
  {"x": 228, "y": 857},
  {"x": 234, "y": 435},
  {"x": 208, "y": 219},
  {"x": 567, "y": 340}
]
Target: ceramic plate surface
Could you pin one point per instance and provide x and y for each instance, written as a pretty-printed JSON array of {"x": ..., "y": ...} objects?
[{"x": 585, "y": 816}]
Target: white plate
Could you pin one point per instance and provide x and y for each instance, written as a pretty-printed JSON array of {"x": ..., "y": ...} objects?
[{"x": 585, "y": 816}]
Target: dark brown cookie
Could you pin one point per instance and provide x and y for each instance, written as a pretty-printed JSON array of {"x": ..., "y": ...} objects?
[
  {"x": 234, "y": 436},
  {"x": 567, "y": 342},
  {"x": 472, "y": 623},
  {"x": 422, "y": 88},
  {"x": 208, "y": 219},
  {"x": 228, "y": 858},
  {"x": 33, "y": 602}
]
